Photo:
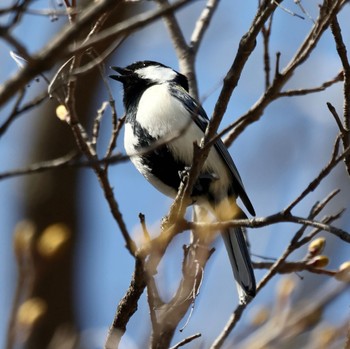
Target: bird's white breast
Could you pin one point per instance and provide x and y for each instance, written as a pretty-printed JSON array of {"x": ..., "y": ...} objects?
[
  {"x": 163, "y": 115},
  {"x": 160, "y": 113}
]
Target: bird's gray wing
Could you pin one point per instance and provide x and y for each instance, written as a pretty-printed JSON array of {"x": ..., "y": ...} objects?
[{"x": 201, "y": 119}]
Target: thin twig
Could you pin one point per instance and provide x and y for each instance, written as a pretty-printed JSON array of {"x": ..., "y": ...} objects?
[
  {"x": 298, "y": 2},
  {"x": 285, "y": 9},
  {"x": 202, "y": 24},
  {"x": 260, "y": 222},
  {"x": 89, "y": 152},
  {"x": 97, "y": 123},
  {"x": 183, "y": 52},
  {"x": 273, "y": 270},
  {"x": 292, "y": 267},
  {"x": 333, "y": 111},
  {"x": 13, "y": 114},
  {"x": 342, "y": 53},
  {"x": 186, "y": 341},
  {"x": 145, "y": 231},
  {"x": 61, "y": 47},
  {"x": 266, "y": 33},
  {"x": 281, "y": 78},
  {"x": 305, "y": 91},
  {"x": 335, "y": 159},
  {"x": 127, "y": 306},
  {"x": 60, "y": 162}
]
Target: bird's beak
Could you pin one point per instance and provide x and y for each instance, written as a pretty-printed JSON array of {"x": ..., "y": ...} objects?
[{"x": 123, "y": 74}]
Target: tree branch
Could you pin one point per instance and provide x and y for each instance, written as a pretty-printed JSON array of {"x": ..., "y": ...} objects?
[{"x": 304, "y": 51}]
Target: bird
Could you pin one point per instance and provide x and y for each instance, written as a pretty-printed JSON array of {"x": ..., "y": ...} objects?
[{"x": 163, "y": 118}]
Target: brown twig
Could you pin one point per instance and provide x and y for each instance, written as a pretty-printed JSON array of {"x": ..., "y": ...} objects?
[
  {"x": 335, "y": 114},
  {"x": 245, "y": 48},
  {"x": 145, "y": 231},
  {"x": 260, "y": 222},
  {"x": 61, "y": 162},
  {"x": 293, "y": 267},
  {"x": 281, "y": 78},
  {"x": 97, "y": 123},
  {"x": 196, "y": 255},
  {"x": 89, "y": 152},
  {"x": 186, "y": 341},
  {"x": 294, "y": 244},
  {"x": 17, "y": 111},
  {"x": 305, "y": 91},
  {"x": 202, "y": 25},
  {"x": 335, "y": 159},
  {"x": 266, "y": 33},
  {"x": 127, "y": 306},
  {"x": 61, "y": 47},
  {"x": 342, "y": 53},
  {"x": 186, "y": 53}
]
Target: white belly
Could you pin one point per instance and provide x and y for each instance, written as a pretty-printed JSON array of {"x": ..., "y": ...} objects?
[{"x": 170, "y": 119}]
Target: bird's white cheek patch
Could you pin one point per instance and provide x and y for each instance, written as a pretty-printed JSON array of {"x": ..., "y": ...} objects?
[{"x": 156, "y": 73}]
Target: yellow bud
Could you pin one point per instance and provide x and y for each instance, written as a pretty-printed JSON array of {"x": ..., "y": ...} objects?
[
  {"x": 316, "y": 246},
  {"x": 23, "y": 237},
  {"x": 62, "y": 113},
  {"x": 53, "y": 239},
  {"x": 318, "y": 262},
  {"x": 343, "y": 273},
  {"x": 31, "y": 311}
]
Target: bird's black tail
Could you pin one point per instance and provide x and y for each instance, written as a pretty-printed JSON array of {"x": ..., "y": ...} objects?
[
  {"x": 241, "y": 264},
  {"x": 237, "y": 249}
]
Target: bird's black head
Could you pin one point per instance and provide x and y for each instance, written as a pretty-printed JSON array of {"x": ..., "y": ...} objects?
[{"x": 138, "y": 76}]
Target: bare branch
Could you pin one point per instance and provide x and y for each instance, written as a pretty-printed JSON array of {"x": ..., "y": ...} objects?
[
  {"x": 186, "y": 341},
  {"x": 260, "y": 222},
  {"x": 64, "y": 161},
  {"x": 304, "y": 51},
  {"x": 17, "y": 111},
  {"x": 127, "y": 306},
  {"x": 323, "y": 174},
  {"x": 60, "y": 47},
  {"x": 293, "y": 267},
  {"x": 305, "y": 91},
  {"x": 266, "y": 33},
  {"x": 202, "y": 24},
  {"x": 185, "y": 55},
  {"x": 285, "y": 9},
  {"x": 336, "y": 117},
  {"x": 342, "y": 53},
  {"x": 246, "y": 47},
  {"x": 273, "y": 270},
  {"x": 196, "y": 256}
]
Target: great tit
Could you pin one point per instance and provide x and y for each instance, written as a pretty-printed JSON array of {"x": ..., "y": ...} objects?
[{"x": 162, "y": 123}]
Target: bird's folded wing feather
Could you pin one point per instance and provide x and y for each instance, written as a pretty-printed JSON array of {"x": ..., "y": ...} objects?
[{"x": 201, "y": 119}]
